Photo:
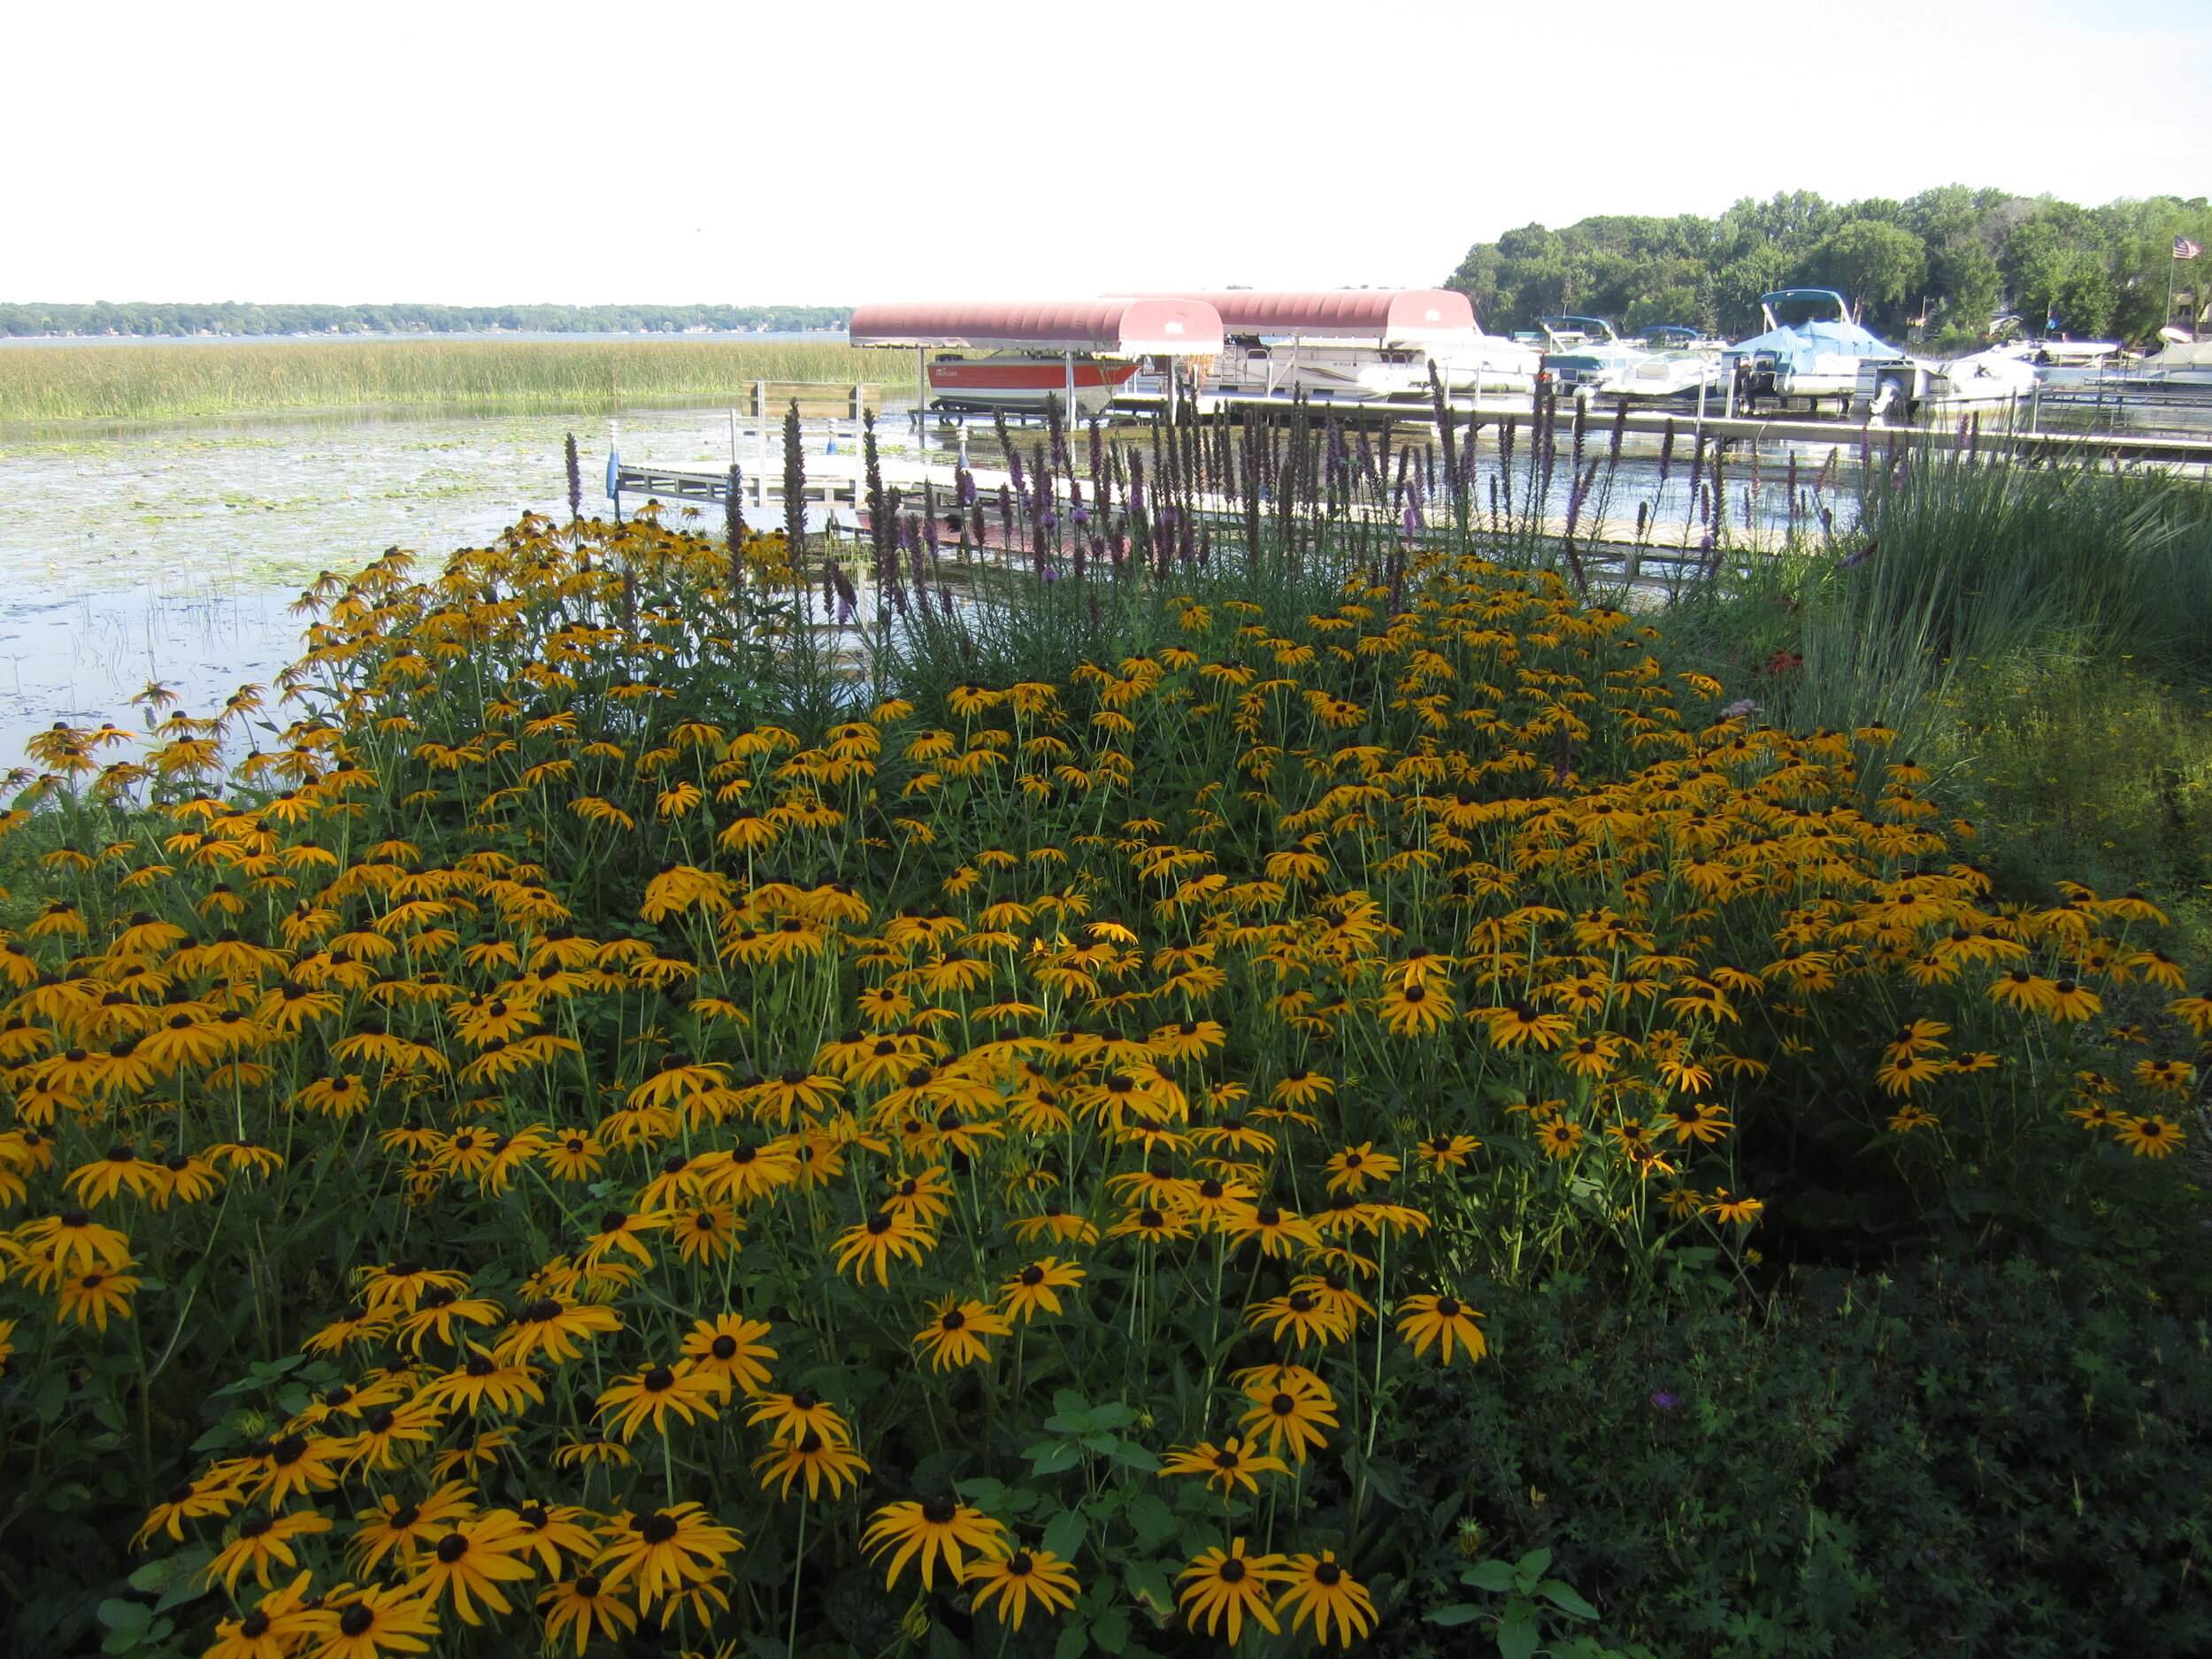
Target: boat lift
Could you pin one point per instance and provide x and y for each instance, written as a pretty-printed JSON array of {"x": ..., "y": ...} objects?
[{"x": 1093, "y": 339}]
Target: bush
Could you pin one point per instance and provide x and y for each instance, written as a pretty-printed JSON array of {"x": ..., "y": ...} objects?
[{"x": 1975, "y": 1460}]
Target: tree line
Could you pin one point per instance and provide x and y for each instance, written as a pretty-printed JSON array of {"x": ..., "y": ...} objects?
[
  {"x": 150, "y": 318},
  {"x": 1941, "y": 267}
]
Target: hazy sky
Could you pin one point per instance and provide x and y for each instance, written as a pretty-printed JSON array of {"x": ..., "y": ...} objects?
[{"x": 474, "y": 151}]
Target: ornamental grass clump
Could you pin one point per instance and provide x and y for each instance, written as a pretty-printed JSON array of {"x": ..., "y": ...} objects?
[{"x": 576, "y": 1149}]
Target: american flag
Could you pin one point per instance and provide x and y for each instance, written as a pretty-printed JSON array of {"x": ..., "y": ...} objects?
[{"x": 2184, "y": 248}]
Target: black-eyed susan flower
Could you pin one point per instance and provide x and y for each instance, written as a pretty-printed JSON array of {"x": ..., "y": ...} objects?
[
  {"x": 259, "y": 1542},
  {"x": 931, "y": 1531},
  {"x": 729, "y": 1350},
  {"x": 1227, "y": 1466},
  {"x": 1416, "y": 1010},
  {"x": 482, "y": 1380},
  {"x": 955, "y": 1332},
  {"x": 1290, "y": 1411},
  {"x": 1223, "y": 1588},
  {"x": 555, "y": 1328},
  {"x": 1735, "y": 1208},
  {"x": 2019, "y": 989},
  {"x": 1316, "y": 1587},
  {"x": 391, "y": 1435},
  {"x": 655, "y": 1392},
  {"x": 1151, "y": 1226},
  {"x": 1519, "y": 1024},
  {"x": 2152, "y": 1137},
  {"x": 185, "y": 1501},
  {"x": 77, "y": 1242},
  {"x": 588, "y": 1448},
  {"x": 821, "y": 1460},
  {"x": 403, "y": 1531},
  {"x": 93, "y": 1298},
  {"x": 666, "y": 1554},
  {"x": 469, "y": 1562},
  {"x": 280, "y": 1623},
  {"x": 1442, "y": 1152},
  {"x": 1014, "y": 1580},
  {"x": 880, "y": 1237},
  {"x": 1278, "y": 1231},
  {"x": 1056, "y": 1223},
  {"x": 1444, "y": 1321},
  {"x": 1036, "y": 1287},
  {"x": 1353, "y": 1168},
  {"x": 368, "y": 1623},
  {"x": 584, "y": 1607}
]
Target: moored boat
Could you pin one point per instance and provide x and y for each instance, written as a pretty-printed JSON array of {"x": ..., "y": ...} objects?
[{"x": 1023, "y": 381}]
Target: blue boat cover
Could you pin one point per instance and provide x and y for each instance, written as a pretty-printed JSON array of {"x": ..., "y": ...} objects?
[{"x": 1797, "y": 345}]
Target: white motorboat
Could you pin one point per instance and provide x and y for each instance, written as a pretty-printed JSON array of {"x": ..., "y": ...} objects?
[
  {"x": 1816, "y": 357},
  {"x": 1584, "y": 355},
  {"x": 1926, "y": 387},
  {"x": 1487, "y": 364},
  {"x": 1370, "y": 344},
  {"x": 1676, "y": 363},
  {"x": 1249, "y": 366}
]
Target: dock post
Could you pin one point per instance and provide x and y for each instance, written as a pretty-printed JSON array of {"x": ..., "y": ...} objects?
[
  {"x": 859, "y": 401},
  {"x": 760, "y": 400}
]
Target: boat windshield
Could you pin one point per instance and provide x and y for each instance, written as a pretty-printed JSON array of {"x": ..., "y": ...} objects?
[
  {"x": 1575, "y": 331},
  {"x": 1786, "y": 308}
]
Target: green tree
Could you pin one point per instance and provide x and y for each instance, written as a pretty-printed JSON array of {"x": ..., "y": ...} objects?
[{"x": 1878, "y": 265}]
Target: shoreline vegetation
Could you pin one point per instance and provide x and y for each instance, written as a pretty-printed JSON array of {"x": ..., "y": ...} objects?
[
  {"x": 1937, "y": 267},
  {"x": 152, "y": 382},
  {"x": 705, "y": 1087}
]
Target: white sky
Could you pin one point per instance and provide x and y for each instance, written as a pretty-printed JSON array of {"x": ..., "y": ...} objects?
[{"x": 475, "y": 151}]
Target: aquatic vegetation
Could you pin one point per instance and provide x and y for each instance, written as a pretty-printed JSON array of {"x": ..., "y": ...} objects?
[
  {"x": 151, "y": 383},
  {"x": 624, "y": 1114}
]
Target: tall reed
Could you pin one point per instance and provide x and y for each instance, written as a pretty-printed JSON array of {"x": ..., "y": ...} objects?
[{"x": 135, "y": 382}]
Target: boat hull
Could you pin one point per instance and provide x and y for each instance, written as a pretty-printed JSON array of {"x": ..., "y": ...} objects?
[{"x": 983, "y": 384}]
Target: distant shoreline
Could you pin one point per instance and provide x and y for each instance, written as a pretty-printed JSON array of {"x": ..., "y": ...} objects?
[
  {"x": 822, "y": 336},
  {"x": 183, "y": 319}
]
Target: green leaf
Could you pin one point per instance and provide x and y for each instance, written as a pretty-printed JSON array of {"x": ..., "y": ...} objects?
[
  {"x": 1532, "y": 1564},
  {"x": 1517, "y": 1632},
  {"x": 1111, "y": 1633},
  {"x": 1054, "y": 1456},
  {"x": 1154, "y": 1521},
  {"x": 1562, "y": 1596},
  {"x": 1072, "y": 1643},
  {"x": 1455, "y": 1613},
  {"x": 1488, "y": 1575},
  {"x": 1148, "y": 1583},
  {"x": 187, "y": 1585},
  {"x": 125, "y": 1617},
  {"x": 1065, "y": 1533}
]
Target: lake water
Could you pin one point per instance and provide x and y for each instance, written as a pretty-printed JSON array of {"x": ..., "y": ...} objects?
[{"x": 172, "y": 552}]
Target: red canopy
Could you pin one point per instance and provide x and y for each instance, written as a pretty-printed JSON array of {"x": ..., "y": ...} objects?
[
  {"x": 1382, "y": 315},
  {"x": 1110, "y": 327}
]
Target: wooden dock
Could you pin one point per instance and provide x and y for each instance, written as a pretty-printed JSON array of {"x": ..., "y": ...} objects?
[{"x": 1988, "y": 434}]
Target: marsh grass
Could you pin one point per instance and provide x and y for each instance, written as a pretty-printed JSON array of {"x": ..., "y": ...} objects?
[
  {"x": 2092, "y": 771},
  {"x": 1961, "y": 561},
  {"x": 151, "y": 383}
]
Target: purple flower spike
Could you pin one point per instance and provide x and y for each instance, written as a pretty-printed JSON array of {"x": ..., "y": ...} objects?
[{"x": 1664, "y": 1400}]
